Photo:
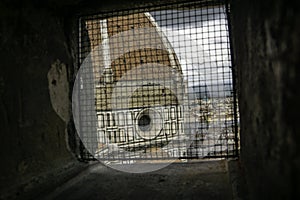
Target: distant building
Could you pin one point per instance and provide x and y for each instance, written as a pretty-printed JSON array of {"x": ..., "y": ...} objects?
[{"x": 133, "y": 108}]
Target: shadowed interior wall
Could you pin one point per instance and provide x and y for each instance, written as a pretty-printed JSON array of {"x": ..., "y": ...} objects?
[
  {"x": 266, "y": 42},
  {"x": 34, "y": 104}
]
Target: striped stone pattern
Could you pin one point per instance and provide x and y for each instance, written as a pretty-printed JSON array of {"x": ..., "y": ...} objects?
[{"x": 120, "y": 127}]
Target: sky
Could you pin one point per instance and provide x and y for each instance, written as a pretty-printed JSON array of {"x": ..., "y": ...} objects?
[{"x": 200, "y": 41}]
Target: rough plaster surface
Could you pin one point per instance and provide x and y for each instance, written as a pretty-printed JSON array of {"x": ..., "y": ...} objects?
[
  {"x": 266, "y": 42},
  {"x": 32, "y": 134},
  {"x": 59, "y": 89}
]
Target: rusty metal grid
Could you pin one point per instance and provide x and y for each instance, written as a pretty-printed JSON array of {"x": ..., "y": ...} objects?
[{"x": 163, "y": 83}]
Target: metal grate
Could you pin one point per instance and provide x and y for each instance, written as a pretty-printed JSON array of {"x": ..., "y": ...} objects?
[{"x": 156, "y": 83}]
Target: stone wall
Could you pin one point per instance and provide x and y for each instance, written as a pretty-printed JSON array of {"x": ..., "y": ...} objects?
[
  {"x": 266, "y": 45},
  {"x": 34, "y": 94}
]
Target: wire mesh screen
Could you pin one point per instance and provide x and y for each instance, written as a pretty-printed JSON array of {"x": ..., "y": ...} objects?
[{"x": 156, "y": 83}]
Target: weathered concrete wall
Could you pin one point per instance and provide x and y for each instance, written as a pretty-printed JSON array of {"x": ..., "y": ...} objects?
[
  {"x": 34, "y": 104},
  {"x": 266, "y": 41}
]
